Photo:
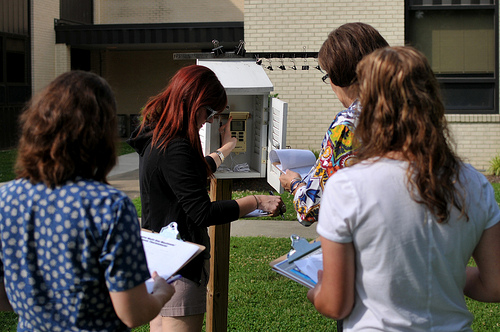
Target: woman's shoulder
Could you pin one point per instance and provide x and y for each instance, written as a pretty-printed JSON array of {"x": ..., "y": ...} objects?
[{"x": 347, "y": 117}]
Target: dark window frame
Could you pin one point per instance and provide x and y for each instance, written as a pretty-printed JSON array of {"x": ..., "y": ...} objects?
[
  {"x": 448, "y": 81},
  {"x": 15, "y": 92}
]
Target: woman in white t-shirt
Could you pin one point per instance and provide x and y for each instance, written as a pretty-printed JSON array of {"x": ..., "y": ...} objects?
[{"x": 399, "y": 228}]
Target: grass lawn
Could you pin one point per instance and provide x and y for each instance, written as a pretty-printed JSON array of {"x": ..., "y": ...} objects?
[
  {"x": 260, "y": 299},
  {"x": 7, "y": 161}
]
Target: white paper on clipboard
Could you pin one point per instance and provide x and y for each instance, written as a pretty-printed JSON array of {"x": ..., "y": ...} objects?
[{"x": 165, "y": 255}]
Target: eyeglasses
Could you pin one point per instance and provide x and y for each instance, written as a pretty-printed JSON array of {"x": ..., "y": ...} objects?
[
  {"x": 213, "y": 112},
  {"x": 325, "y": 79}
]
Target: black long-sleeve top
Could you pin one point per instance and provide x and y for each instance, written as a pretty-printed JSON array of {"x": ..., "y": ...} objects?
[{"x": 173, "y": 184}]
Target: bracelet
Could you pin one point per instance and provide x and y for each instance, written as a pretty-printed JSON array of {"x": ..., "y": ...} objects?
[
  {"x": 221, "y": 156},
  {"x": 256, "y": 201},
  {"x": 294, "y": 184}
]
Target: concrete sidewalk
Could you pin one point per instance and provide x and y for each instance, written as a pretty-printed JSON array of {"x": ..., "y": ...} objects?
[{"x": 125, "y": 176}]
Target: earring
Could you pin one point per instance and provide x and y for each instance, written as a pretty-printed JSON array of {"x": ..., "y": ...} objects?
[{"x": 294, "y": 67}]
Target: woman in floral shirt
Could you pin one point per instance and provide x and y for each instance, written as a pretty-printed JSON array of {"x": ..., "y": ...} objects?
[{"x": 339, "y": 56}]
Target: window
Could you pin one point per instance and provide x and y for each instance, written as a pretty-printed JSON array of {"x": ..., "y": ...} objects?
[
  {"x": 15, "y": 57},
  {"x": 459, "y": 37}
]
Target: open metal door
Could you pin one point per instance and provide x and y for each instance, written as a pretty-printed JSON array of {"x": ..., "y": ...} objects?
[{"x": 276, "y": 138}]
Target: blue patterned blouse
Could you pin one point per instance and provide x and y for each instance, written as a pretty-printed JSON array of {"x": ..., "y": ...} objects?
[{"x": 64, "y": 249}]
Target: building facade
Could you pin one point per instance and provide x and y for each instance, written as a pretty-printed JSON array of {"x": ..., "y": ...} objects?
[{"x": 132, "y": 44}]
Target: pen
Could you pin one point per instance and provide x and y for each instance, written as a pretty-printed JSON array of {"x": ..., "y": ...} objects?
[
  {"x": 174, "y": 278},
  {"x": 281, "y": 212}
]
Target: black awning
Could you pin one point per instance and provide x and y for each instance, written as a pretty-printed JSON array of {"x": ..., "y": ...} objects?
[{"x": 172, "y": 35}]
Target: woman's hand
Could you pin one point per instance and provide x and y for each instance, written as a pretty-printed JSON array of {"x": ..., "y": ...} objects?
[
  {"x": 286, "y": 178},
  {"x": 272, "y": 204},
  {"x": 228, "y": 143},
  {"x": 162, "y": 288},
  {"x": 311, "y": 294}
]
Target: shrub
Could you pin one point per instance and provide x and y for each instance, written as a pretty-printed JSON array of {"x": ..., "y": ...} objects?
[{"x": 495, "y": 166}]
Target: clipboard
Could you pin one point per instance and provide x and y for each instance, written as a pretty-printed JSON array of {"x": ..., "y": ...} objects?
[
  {"x": 166, "y": 255},
  {"x": 285, "y": 265}
]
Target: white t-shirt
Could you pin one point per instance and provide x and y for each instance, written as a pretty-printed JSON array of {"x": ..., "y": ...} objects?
[{"x": 410, "y": 270}]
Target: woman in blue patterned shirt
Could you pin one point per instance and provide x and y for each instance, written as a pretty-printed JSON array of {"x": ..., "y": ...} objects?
[{"x": 71, "y": 255}]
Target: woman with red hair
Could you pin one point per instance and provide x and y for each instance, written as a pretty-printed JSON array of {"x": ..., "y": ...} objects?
[{"x": 173, "y": 181}]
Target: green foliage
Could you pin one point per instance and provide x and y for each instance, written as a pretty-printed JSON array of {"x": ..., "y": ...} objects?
[
  {"x": 262, "y": 300},
  {"x": 137, "y": 204},
  {"x": 495, "y": 166},
  {"x": 7, "y": 161},
  {"x": 8, "y": 321}
]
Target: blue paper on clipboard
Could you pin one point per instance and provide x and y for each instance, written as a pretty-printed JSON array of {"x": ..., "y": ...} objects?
[{"x": 302, "y": 263}]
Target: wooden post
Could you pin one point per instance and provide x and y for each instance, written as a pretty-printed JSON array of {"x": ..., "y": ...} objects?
[{"x": 217, "y": 295}]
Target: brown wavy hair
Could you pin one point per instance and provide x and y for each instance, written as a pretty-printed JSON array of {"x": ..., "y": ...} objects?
[
  {"x": 68, "y": 130},
  {"x": 172, "y": 113},
  {"x": 345, "y": 47},
  {"x": 403, "y": 113}
]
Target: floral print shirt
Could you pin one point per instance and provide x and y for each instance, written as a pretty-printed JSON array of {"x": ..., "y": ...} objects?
[{"x": 336, "y": 152}]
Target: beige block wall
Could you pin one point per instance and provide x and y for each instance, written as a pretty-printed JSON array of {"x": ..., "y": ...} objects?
[
  {"x": 477, "y": 138},
  {"x": 47, "y": 59},
  {"x": 162, "y": 11},
  {"x": 295, "y": 25}
]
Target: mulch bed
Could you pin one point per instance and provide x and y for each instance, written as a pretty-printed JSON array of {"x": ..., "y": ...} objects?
[{"x": 493, "y": 178}]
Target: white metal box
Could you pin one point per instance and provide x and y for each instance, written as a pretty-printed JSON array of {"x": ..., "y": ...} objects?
[{"x": 248, "y": 89}]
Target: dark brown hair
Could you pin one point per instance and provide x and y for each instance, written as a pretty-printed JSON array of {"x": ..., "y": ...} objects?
[
  {"x": 403, "y": 112},
  {"x": 345, "y": 47},
  {"x": 68, "y": 130},
  {"x": 172, "y": 113}
]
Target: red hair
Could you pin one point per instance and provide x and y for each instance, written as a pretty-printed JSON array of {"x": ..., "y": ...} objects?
[{"x": 172, "y": 113}]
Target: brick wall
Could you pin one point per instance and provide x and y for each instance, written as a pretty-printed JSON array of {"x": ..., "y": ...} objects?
[
  {"x": 270, "y": 26},
  {"x": 161, "y": 11},
  {"x": 295, "y": 25},
  {"x": 43, "y": 57},
  {"x": 477, "y": 138}
]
